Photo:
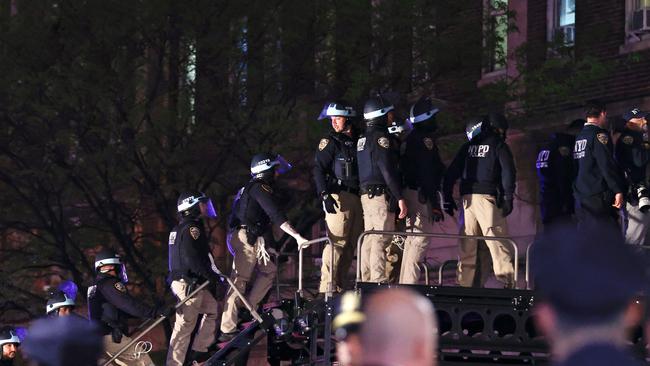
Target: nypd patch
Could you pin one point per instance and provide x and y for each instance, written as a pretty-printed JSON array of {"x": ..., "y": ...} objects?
[
  {"x": 628, "y": 140},
  {"x": 119, "y": 286},
  {"x": 172, "y": 238},
  {"x": 602, "y": 138},
  {"x": 384, "y": 142},
  {"x": 195, "y": 232},
  {"x": 428, "y": 143},
  {"x": 323, "y": 144}
]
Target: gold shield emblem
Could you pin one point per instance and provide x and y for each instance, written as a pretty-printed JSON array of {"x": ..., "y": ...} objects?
[
  {"x": 383, "y": 142},
  {"x": 428, "y": 143},
  {"x": 603, "y": 138},
  {"x": 628, "y": 140},
  {"x": 323, "y": 144},
  {"x": 195, "y": 232}
]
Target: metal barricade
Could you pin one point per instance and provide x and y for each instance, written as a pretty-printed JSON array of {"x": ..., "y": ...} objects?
[
  {"x": 442, "y": 268},
  {"x": 437, "y": 235},
  {"x": 300, "y": 265}
]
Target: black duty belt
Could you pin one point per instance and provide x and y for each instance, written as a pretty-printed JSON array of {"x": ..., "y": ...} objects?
[{"x": 373, "y": 190}]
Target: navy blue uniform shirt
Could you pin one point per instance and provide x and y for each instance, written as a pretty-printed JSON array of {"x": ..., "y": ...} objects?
[
  {"x": 336, "y": 163},
  {"x": 377, "y": 161}
]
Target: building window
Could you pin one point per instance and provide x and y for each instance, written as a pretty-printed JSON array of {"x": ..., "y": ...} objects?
[
  {"x": 638, "y": 20},
  {"x": 495, "y": 35},
  {"x": 562, "y": 22}
]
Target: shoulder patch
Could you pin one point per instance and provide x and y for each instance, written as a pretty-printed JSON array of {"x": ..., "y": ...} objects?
[
  {"x": 602, "y": 138},
  {"x": 267, "y": 188},
  {"x": 384, "y": 142},
  {"x": 361, "y": 144},
  {"x": 195, "y": 232},
  {"x": 172, "y": 238},
  {"x": 119, "y": 286},
  {"x": 564, "y": 151},
  {"x": 428, "y": 143},
  {"x": 323, "y": 144},
  {"x": 628, "y": 140}
]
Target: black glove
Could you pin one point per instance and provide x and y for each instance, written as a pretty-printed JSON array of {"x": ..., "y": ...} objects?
[
  {"x": 329, "y": 203},
  {"x": 450, "y": 206},
  {"x": 506, "y": 208},
  {"x": 116, "y": 334}
]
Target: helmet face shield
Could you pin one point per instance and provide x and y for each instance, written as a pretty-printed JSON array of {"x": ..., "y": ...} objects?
[
  {"x": 336, "y": 109},
  {"x": 207, "y": 208},
  {"x": 123, "y": 275},
  {"x": 283, "y": 166},
  {"x": 473, "y": 131}
]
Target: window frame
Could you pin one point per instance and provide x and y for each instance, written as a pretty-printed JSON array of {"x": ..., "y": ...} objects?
[
  {"x": 491, "y": 70},
  {"x": 553, "y": 23},
  {"x": 633, "y": 41}
]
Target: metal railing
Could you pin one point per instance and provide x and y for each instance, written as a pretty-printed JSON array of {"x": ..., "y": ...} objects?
[
  {"x": 300, "y": 264},
  {"x": 438, "y": 235},
  {"x": 442, "y": 268}
]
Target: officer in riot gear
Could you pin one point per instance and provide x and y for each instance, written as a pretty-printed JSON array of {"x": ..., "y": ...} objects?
[
  {"x": 486, "y": 170},
  {"x": 422, "y": 171},
  {"x": 556, "y": 173},
  {"x": 9, "y": 342},
  {"x": 189, "y": 267},
  {"x": 599, "y": 185},
  {"x": 254, "y": 210},
  {"x": 61, "y": 301},
  {"x": 633, "y": 154},
  {"x": 110, "y": 304},
  {"x": 381, "y": 194},
  {"x": 337, "y": 183}
]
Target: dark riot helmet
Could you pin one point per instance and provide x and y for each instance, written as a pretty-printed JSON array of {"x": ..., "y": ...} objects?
[
  {"x": 264, "y": 166},
  {"x": 423, "y": 112},
  {"x": 350, "y": 316},
  {"x": 8, "y": 335},
  {"x": 189, "y": 204},
  {"x": 375, "y": 111},
  {"x": 57, "y": 300},
  {"x": 108, "y": 257},
  {"x": 338, "y": 109},
  {"x": 475, "y": 126},
  {"x": 499, "y": 123}
]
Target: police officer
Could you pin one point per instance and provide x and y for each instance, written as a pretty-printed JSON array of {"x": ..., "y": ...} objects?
[
  {"x": 588, "y": 282},
  {"x": 599, "y": 184},
  {"x": 486, "y": 170},
  {"x": 254, "y": 210},
  {"x": 110, "y": 304},
  {"x": 61, "y": 301},
  {"x": 556, "y": 173},
  {"x": 190, "y": 266},
  {"x": 633, "y": 154},
  {"x": 422, "y": 172},
  {"x": 380, "y": 188},
  {"x": 346, "y": 326},
  {"x": 9, "y": 342},
  {"x": 337, "y": 183}
]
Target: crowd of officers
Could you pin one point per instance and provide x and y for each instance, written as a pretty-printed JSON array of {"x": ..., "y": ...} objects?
[{"x": 383, "y": 176}]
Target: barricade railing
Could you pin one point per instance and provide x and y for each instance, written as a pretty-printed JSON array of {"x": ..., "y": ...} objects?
[
  {"x": 442, "y": 236},
  {"x": 442, "y": 268}
]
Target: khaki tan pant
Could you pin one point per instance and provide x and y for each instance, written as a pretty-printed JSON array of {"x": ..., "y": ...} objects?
[
  {"x": 129, "y": 357},
  {"x": 373, "y": 249},
  {"x": 418, "y": 221},
  {"x": 244, "y": 263},
  {"x": 186, "y": 317},
  {"x": 483, "y": 217},
  {"x": 343, "y": 229}
]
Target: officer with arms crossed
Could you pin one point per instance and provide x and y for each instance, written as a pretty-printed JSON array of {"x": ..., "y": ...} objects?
[
  {"x": 380, "y": 187},
  {"x": 9, "y": 342},
  {"x": 556, "y": 173},
  {"x": 254, "y": 210},
  {"x": 109, "y": 304},
  {"x": 337, "y": 182},
  {"x": 486, "y": 170},
  {"x": 633, "y": 154},
  {"x": 190, "y": 266},
  {"x": 422, "y": 172},
  {"x": 599, "y": 185}
]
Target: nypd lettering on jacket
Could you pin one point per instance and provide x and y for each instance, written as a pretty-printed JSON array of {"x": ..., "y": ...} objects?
[
  {"x": 579, "y": 149},
  {"x": 542, "y": 159},
  {"x": 478, "y": 151}
]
